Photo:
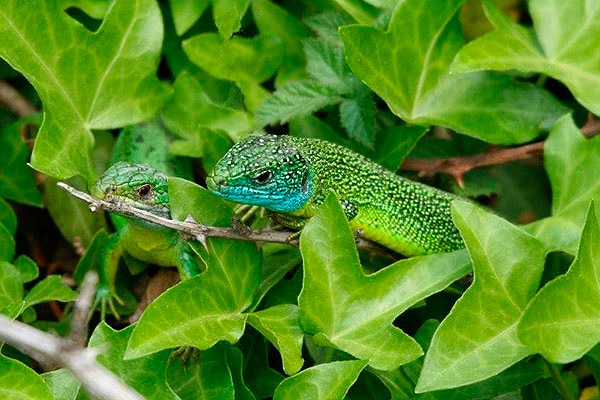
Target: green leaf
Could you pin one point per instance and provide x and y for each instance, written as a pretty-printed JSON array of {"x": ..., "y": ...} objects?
[
  {"x": 16, "y": 177},
  {"x": 329, "y": 381},
  {"x": 296, "y": 99},
  {"x": 279, "y": 324},
  {"x": 563, "y": 321},
  {"x": 8, "y": 218},
  {"x": 27, "y": 267},
  {"x": 186, "y": 12},
  {"x": 394, "y": 144},
  {"x": 407, "y": 66},
  {"x": 261, "y": 378},
  {"x": 7, "y": 244},
  {"x": 563, "y": 46},
  {"x": 205, "y": 379},
  {"x": 115, "y": 91},
  {"x": 353, "y": 312},
  {"x": 19, "y": 382},
  {"x": 11, "y": 287},
  {"x": 228, "y": 15},
  {"x": 62, "y": 384},
  {"x": 271, "y": 19},
  {"x": 136, "y": 373},
  {"x": 327, "y": 24},
  {"x": 362, "y": 12},
  {"x": 357, "y": 116},
  {"x": 206, "y": 144},
  {"x": 187, "y": 198},
  {"x": 50, "y": 289},
  {"x": 235, "y": 359},
  {"x": 326, "y": 64},
  {"x": 191, "y": 108},
  {"x": 205, "y": 309},
  {"x": 475, "y": 342},
  {"x": 570, "y": 161}
]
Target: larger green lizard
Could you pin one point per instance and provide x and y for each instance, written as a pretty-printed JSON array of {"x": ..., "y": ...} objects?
[
  {"x": 138, "y": 177},
  {"x": 292, "y": 176}
]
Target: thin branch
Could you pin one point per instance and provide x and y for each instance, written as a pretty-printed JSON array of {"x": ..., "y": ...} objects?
[
  {"x": 201, "y": 232},
  {"x": 98, "y": 381},
  {"x": 81, "y": 310},
  {"x": 458, "y": 166},
  {"x": 14, "y": 100}
]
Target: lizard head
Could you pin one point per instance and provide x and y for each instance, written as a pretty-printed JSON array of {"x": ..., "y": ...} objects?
[
  {"x": 267, "y": 171},
  {"x": 138, "y": 185}
]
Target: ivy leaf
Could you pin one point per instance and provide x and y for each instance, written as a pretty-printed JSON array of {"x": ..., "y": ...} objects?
[
  {"x": 192, "y": 108},
  {"x": 248, "y": 62},
  {"x": 16, "y": 178},
  {"x": 570, "y": 161},
  {"x": 228, "y": 15},
  {"x": 337, "y": 295},
  {"x": 115, "y": 91},
  {"x": 50, "y": 288},
  {"x": 8, "y": 218},
  {"x": 11, "y": 288},
  {"x": 279, "y": 324},
  {"x": 474, "y": 342},
  {"x": 272, "y": 19},
  {"x": 186, "y": 12},
  {"x": 407, "y": 66},
  {"x": 27, "y": 267},
  {"x": 21, "y": 382},
  {"x": 564, "y": 46},
  {"x": 563, "y": 320},
  {"x": 329, "y": 381},
  {"x": 394, "y": 144},
  {"x": 296, "y": 99},
  {"x": 136, "y": 373},
  {"x": 62, "y": 384},
  {"x": 7, "y": 244},
  {"x": 205, "y": 309}
]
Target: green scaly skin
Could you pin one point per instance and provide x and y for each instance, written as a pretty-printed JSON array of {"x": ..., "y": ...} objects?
[
  {"x": 143, "y": 186},
  {"x": 292, "y": 176}
]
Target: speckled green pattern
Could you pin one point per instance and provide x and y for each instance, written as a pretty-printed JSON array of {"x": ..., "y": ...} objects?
[
  {"x": 401, "y": 214},
  {"x": 406, "y": 216}
]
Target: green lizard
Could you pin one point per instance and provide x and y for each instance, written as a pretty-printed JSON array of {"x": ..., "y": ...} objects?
[
  {"x": 292, "y": 176},
  {"x": 143, "y": 186}
]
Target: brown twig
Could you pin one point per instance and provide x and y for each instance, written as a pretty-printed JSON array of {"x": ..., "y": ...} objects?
[
  {"x": 15, "y": 100},
  {"x": 98, "y": 381},
  {"x": 201, "y": 232},
  {"x": 458, "y": 166}
]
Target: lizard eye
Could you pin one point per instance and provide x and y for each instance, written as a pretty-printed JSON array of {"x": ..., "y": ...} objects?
[
  {"x": 144, "y": 190},
  {"x": 264, "y": 177}
]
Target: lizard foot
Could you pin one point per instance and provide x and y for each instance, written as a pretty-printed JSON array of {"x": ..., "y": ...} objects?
[
  {"x": 185, "y": 354},
  {"x": 106, "y": 299}
]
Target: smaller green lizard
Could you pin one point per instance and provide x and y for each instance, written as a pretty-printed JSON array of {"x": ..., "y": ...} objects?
[
  {"x": 144, "y": 187},
  {"x": 292, "y": 176}
]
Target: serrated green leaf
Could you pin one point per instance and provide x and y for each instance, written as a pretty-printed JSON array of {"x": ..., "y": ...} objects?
[
  {"x": 563, "y": 46},
  {"x": 16, "y": 177},
  {"x": 62, "y": 384},
  {"x": 326, "y": 25},
  {"x": 207, "y": 378},
  {"x": 191, "y": 108},
  {"x": 136, "y": 373},
  {"x": 114, "y": 92},
  {"x": 228, "y": 15},
  {"x": 27, "y": 267},
  {"x": 186, "y": 12},
  {"x": 8, "y": 218},
  {"x": 337, "y": 295},
  {"x": 474, "y": 342},
  {"x": 279, "y": 324},
  {"x": 296, "y": 99},
  {"x": 271, "y": 19},
  {"x": 357, "y": 116},
  {"x": 11, "y": 288},
  {"x": 407, "y": 66},
  {"x": 19, "y": 382},
  {"x": 563, "y": 320},
  {"x": 329, "y": 381},
  {"x": 326, "y": 64},
  {"x": 51, "y": 288},
  {"x": 205, "y": 309}
]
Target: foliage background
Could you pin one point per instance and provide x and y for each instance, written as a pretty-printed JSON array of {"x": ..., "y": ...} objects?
[{"x": 424, "y": 79}]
